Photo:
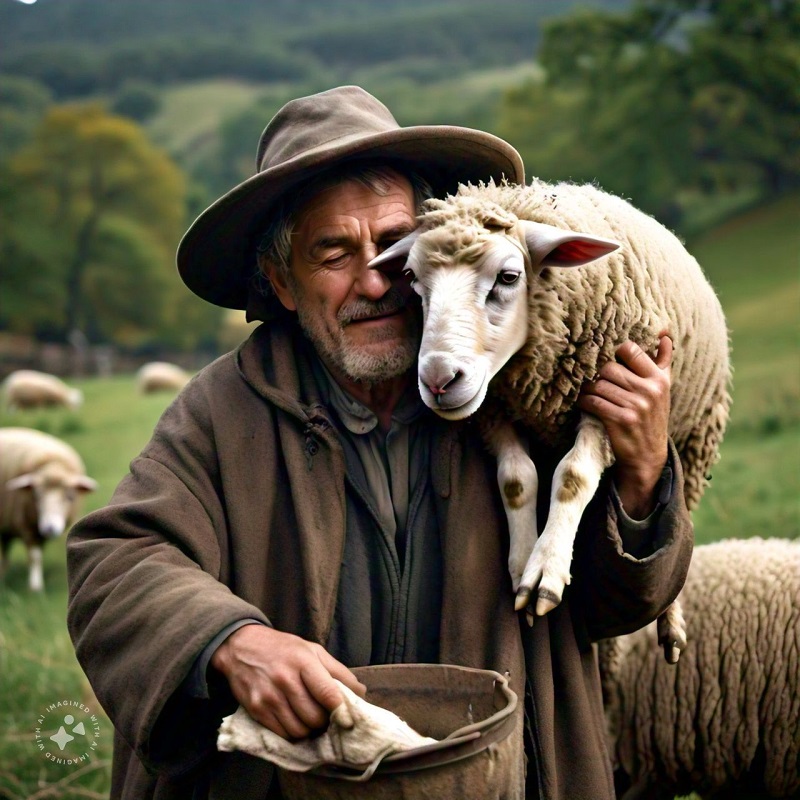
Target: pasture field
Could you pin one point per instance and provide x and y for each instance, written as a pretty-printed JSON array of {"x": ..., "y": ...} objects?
[{"x": 753, "y": 263}]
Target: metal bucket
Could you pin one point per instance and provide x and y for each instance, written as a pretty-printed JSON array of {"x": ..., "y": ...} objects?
[{"x": 473, "y": 712}]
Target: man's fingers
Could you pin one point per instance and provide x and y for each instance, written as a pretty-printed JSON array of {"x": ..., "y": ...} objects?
[
  {"x": 664, "y": 354},
  {"x": 305, "y": 707},
  {"x": 321, "y": 686},
  {"x": 616, "y": 375},
  {"x": 640, "y": 362},
  {"x": 609, "y": 412},
  {"x": 342, "y": 673}
]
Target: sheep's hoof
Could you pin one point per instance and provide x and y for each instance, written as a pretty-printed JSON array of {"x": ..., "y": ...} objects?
[
  {"x": 547, "y": 602},
  {"x": 672, "y": 653},
  {"x": 671, "y": 628}
]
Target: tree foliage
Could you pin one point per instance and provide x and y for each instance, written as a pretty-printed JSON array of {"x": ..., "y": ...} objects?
[
  {"x": 673, "y": 98},
  {"x": 93, "y": 215}
]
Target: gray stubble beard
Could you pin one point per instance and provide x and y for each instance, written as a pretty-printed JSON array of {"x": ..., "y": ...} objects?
[{"x": 358, "y": 364}]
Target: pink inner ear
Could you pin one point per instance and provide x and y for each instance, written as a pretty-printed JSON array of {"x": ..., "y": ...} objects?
[{"x": 578, "y": 251}]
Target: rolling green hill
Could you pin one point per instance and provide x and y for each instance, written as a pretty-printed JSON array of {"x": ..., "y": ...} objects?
[
  {"x": 80, "y": 47},
  {"x": 752, "y": 261}
]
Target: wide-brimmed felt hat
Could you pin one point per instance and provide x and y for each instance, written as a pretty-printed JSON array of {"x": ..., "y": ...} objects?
[{"x": 217, "y": 255}]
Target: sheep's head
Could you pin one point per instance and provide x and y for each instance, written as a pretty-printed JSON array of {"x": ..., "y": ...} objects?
[
  {"x": 56, "y": 492},
  {"x": 472, "y": 263}
]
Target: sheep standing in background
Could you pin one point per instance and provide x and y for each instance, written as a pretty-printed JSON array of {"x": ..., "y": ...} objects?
[
  {"x": 724, "y": 722},
  {"x": 41, "y": 481},
  {"x": 160, "y": 376},
  {"x": 501, "y": 303},
  {"x": 27, "y": 388}
]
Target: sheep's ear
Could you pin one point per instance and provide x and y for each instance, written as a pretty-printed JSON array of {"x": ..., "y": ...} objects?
[
  {"x": 399, "y": 249},
  {"x": 21, "y": 482},
  {"x": 83, "y": 483},
  {"x": 554, "y": 247}
]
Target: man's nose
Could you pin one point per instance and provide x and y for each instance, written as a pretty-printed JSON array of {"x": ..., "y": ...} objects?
[{"x": 372, "y": 283}]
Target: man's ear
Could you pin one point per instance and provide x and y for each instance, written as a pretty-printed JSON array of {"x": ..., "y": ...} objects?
[{"x": 279, "y": 284}]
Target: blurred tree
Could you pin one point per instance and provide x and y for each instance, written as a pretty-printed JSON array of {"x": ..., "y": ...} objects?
[
  {"x": 671, "y": 98},
  {"x": 95, "y": 213},
  {"x": 138, "y": 100},
  {"x": 22, "y": 103}
]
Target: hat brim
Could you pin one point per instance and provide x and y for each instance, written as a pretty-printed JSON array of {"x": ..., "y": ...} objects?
[{"x": 216, "y": 257}]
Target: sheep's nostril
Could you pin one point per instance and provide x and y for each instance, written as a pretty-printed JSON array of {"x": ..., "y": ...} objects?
[{"x": 438, "y": 391}]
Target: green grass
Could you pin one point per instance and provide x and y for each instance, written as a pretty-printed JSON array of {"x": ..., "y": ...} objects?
[
  {"x": 37, "y": 662},
  {"x": 752, "y": 261}
]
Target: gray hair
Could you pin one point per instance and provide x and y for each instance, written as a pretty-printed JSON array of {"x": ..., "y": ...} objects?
[{"x": 275, "y": 245}]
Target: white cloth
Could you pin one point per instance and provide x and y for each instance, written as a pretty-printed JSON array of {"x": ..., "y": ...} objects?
[{"x": 359, "y": 733}]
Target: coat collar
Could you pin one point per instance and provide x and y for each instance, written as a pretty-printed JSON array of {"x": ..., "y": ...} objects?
[{"x": 276, "y": 362}]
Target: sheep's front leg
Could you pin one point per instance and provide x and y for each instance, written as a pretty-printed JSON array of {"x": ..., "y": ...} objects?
[
  {"x": 519, "y": 484},
  {"x": 574, "y": 484},
  {"x": 35, "y": 573}
]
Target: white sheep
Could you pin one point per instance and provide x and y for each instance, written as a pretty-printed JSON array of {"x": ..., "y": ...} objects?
[
  {"x": 727, "y": 717},
  {"x": 161, "y": 376},
  {"x": 41, "y": 482},
  {"x": 507, "y": 320},
  {"x": 28, "y": 388}
]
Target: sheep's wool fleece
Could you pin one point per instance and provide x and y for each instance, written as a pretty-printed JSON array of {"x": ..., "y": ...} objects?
[
  {"x": 359, "y": 733},
  {"x": 701, "y": 725},
  {"x": 25, "y": 450},
  {"x": 579, "y": 316}
]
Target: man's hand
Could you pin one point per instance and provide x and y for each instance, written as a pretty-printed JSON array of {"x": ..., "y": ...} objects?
[
  {"x": 632, "y": 400},
  {"x": 283, "y": 681}
]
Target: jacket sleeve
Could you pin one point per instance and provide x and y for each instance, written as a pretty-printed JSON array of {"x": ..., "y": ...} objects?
[
  {"x": 617, "y": 591},
  {"x": 145, "y": 595}
]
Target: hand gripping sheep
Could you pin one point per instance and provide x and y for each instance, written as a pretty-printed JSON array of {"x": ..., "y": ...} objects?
[{"x": 507, "y": 319}]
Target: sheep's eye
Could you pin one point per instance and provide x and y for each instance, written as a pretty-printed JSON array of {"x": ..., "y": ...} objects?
[
  {"x": 508, "y": 277},
  {"x": 409, "y": 273}
]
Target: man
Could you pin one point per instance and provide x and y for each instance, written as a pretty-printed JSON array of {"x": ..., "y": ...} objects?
[{"x": 298, "y": 511}]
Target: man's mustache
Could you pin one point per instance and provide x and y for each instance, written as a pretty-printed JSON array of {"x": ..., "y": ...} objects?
[{"x": 392, "y": 302}]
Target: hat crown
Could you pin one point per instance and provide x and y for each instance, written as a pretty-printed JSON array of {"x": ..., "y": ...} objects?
[{"x": 340, "y": 115}]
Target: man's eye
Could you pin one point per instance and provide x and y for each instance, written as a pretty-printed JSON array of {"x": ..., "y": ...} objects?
[
  {"x": 334, "y": 260},
  {"x": 508, "y": 277}
]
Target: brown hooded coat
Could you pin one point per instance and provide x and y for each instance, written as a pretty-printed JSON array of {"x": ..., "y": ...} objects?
[{"x": 236, "y": 509}]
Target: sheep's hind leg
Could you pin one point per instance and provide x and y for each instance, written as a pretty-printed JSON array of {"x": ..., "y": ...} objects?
[
  {"x": 519, "y": 484},
  {"x": 671, "y": 628},
  {"x": 574, "y": 484}
]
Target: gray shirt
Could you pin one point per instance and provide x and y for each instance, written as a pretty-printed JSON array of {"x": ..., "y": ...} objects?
[{"x": 388, "y": 605}]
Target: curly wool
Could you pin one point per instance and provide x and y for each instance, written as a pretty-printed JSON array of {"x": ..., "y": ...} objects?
[
  {"x": 579, "y": 317},
  {"x": 727, "y": 716},
  {"x": 23, "y": 451}
]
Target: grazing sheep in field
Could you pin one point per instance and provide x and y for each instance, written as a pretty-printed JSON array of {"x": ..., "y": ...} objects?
[
  {"x": 41, "y": 481},
  {"x": 160, "y": 376},
  {"x": 724, "y": 722},
  {"x": 27, "y": 388},
  {"x": 507, "y": 319}
]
